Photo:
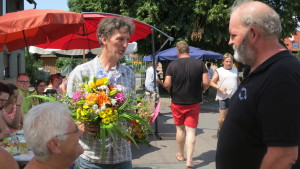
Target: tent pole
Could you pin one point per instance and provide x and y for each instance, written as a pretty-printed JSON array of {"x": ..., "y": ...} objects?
[
  {"x": 154, "y": 79},
  {"x": 83, "y": 54}
]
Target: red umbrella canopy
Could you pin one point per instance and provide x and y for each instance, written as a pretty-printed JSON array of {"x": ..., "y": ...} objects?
[
  {"x": 35, "y": 26},
  {"x": 86, "y": 37}
]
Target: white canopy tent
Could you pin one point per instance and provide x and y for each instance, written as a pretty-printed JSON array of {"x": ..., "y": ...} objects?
[{"x": 132, "y": 48}]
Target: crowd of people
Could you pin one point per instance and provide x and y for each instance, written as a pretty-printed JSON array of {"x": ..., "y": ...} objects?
[
  {"x": 259, "y": 120},
  {"x": 15, "y": 103}
]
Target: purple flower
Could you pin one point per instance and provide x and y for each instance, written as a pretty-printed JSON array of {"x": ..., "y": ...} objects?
[
  {"x": 120, "y": 97},
  {"x": 78, "y": 96}
]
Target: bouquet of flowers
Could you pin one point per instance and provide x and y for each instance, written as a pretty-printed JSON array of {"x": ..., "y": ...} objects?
[
  {"x": 137, "y": 129},
  {"x": 104, "y": 104}
]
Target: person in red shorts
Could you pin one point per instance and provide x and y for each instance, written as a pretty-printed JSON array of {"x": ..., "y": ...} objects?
[{"x": 186, "y": 79}]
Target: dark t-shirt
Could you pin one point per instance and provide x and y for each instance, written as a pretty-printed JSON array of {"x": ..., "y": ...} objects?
[
  {"x": 186, "y": 75},
  {"x": 265, "y": 111}
]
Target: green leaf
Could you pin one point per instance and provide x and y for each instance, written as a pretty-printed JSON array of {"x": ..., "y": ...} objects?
[
  {"x": 106, "y": 82},
  {"x": 87, "y": 88},
  {"x": 85, "y": 79},
  {"x": 103, "y": 140},
  {"x": 126, "y": 133},
  {"x": 80, "y": 102},
  {"x": 123, "y": 105},
  {"x": 110, "y": 133},
  {"x": 117, "y": 131},
  {"x": 111, "y": 93},
  {"x": 49, "y": 98}
]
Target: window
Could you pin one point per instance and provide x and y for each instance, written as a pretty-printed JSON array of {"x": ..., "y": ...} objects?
[{"x": 295, "y": 45}]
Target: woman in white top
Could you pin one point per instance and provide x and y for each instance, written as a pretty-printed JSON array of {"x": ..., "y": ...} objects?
[{"x": 225, "y": 80}]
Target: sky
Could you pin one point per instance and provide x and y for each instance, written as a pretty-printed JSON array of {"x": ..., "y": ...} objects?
[{"x": 48, "y": 4}]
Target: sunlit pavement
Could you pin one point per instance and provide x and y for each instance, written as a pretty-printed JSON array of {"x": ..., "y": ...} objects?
[{"x": 161, "y": 155}]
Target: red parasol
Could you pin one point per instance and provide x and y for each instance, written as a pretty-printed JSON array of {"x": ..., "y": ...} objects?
[
  {"x": 34, "y": 26},
  {"x": 86, "y": 38}
]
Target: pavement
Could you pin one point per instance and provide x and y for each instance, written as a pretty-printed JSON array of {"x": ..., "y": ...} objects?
[{"x": 161, "y": 153}]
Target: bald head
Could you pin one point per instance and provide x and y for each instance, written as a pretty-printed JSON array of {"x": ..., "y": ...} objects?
[{"x": 260, "y": 15}]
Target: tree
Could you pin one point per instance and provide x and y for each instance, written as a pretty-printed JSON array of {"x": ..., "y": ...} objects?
[
  {"x": 63, "y": 62},
  {"x": 32, "y": 65},
  {"x": 298, "y": 55},
  {"x": 202, "y": 23}
]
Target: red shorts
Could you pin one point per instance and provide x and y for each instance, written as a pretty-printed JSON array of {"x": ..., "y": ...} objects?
[{"x": 187, "y": 115}]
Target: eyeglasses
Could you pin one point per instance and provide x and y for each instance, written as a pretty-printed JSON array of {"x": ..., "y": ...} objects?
[
  {"x": 3, "y": 101},
  {"x": 24, "y": 82},
  {"x": 71, "y": 132}
]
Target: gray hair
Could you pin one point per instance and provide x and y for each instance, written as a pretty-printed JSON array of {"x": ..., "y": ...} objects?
[
  {"x": 109, "y": 25},
  {"x": 182, "y": 47},
  {"x": 44, "y": 122},
  {"x": 267, "y": 21}
]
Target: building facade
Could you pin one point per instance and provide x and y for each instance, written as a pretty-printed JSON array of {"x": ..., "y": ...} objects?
[
  {"x": 293, "y": 42},
  {"x": 11, "y": 63}
]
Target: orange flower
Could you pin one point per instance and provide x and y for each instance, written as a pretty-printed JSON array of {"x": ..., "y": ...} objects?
[
  {"x": 99, "y": 98},
  {"x": 103, "y": 98},
  {"x": 91, "y": 98},
  {"x": 112, "y": 87}
]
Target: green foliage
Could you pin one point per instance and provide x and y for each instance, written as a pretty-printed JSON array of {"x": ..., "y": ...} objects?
[
  {"x": 62, "y": 62},
  {"x": 289, "y": 13},
  {"x": 298, "y": 55},
  {"x": 202, "y": 23},
  {"x": 31, "y": 66}
]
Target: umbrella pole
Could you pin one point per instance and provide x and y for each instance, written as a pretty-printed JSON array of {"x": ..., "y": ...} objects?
[
  {"x": 26, "y": 44},
  {"x": 83, "y": 54}
]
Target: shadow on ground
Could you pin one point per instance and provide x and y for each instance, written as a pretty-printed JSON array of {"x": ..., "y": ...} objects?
[
  {"x": 206, "y": 157},
  {"x": 139, "y": 152}
]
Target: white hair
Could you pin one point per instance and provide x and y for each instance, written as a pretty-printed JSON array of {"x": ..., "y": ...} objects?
[
  {"x": 268, "y": 21},
  {"x": 44, "y": 122}
]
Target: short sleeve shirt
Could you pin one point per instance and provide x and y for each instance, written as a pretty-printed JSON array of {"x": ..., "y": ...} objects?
[
  {"x": 186, "y": 75},
  {"x": 149, "y": 82},
  {"x": 265, "y": 111}
]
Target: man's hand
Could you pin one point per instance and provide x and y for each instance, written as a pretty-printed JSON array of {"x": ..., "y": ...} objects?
[{"x": 90, "y": 129}]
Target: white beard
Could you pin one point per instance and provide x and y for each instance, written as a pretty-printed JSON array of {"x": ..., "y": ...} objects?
[
  {"x": 236, "y": 55},
  {"x": 245, "y": 53}
]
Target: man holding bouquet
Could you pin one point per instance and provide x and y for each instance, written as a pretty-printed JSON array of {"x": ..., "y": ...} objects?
[{"x": 113, "y": 34}]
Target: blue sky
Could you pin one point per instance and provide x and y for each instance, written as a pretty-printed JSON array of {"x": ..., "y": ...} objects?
[{"x": 48, "y": 4}]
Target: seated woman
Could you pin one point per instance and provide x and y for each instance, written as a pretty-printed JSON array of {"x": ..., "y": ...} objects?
[
  {"x": 12, "y": 111},
  {"x": 53, "y": 86},
  {"x": 39, "y": 90},
  {"x": 63, "y": 86}
]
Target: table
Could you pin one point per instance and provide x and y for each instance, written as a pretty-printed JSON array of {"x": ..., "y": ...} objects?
[{"x": 10, "y": 145}]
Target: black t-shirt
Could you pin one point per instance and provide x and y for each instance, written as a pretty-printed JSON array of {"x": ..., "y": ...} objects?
[
  {"x": 264, "y": 111},
  {"x": 186, "y": 75}
]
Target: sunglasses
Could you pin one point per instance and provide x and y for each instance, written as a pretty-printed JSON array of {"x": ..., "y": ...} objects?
[{"x": 24, "y": 82}]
